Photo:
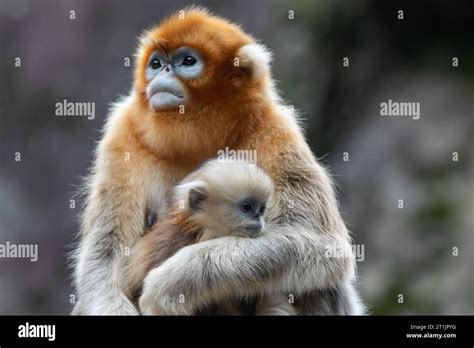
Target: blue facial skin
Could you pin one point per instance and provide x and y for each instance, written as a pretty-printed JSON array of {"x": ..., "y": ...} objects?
[
  {"x": 253, "y": 209},
  {"x": 165, "y": 90}
]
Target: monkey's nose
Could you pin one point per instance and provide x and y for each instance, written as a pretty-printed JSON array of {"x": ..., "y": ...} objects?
[{"x": 167, "y": 68}]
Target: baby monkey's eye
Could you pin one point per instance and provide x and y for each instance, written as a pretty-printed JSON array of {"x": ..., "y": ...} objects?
[
  {"x": 262, "y": 210},
  {"x": 189, "y": 60},
  {"x": 155, "y": 63},
  {"x": 246, "y": 207}
]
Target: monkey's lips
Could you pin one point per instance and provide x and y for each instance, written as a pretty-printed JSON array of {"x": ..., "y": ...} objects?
[
  {"x": 165, "y": 94},
  {"x": 165, "y": 98}
]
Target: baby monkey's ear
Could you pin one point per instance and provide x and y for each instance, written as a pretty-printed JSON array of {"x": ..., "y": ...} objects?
[
  {"x": 197, "y": 195},
  {"x": 254, "y": 60}
]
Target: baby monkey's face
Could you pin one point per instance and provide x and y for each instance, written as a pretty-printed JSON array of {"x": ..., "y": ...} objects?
[
  {"x": 243, "y": 217},
  {"x": 228, "y": 199},
  {"x": 251, "y": 212}
]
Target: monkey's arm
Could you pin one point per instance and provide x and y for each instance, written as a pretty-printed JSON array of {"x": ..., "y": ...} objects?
[
  {"x": 288, "y": 259},
  {"x": 112, "y": 220}
]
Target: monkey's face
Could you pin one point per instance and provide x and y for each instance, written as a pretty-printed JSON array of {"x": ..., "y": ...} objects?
[
  {"x": 188, "y": 61},
  {"x": 243, "y": 218},
  {"x": 165, "y": 73},
  {"x": 227, "y": 215}
]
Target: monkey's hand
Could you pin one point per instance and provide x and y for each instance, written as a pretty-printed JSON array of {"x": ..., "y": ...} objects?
[{"x": 290, "y": 259}]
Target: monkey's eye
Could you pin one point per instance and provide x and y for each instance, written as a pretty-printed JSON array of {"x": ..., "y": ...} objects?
[
  {"x": 262, "y": 210},
  {"x": 189, "y": 61},
  {"x": 155, "y": 63},
  {"x": 246, "y": 207}
]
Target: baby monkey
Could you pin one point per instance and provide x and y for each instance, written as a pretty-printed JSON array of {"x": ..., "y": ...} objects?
[{"x": 221, "y": 198}]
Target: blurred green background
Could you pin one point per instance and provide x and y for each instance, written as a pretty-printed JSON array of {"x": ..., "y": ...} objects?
[{"x": 408, "y": 251}]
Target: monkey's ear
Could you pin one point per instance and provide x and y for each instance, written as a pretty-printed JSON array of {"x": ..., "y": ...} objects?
[
  {"x": 197, "y": 194},
  {"x": 254, "y": 60}
]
